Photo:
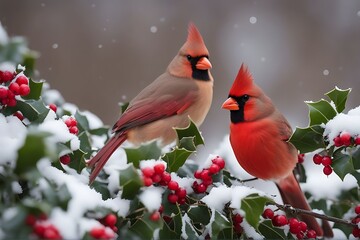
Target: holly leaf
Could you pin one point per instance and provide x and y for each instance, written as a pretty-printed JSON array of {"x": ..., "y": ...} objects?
[
  {"x": 85, "y": 145},
  {"x": 99, "y": 131},
  {"x": 320, "y": 112},
  {"x": 130, "y": 182},
  {"x": 308, "y": 139},
  {"x": 270, "y": 232},
  {"x": 144, "y": 227},
  {"x": 77, "y": 160},
  {"x": 219, "y": 224},
  {"x": 31, "y": 109},
  {"x": 339, "y": 97},
  {"x": 356, "y": 159},
  {"x": 35, "y": 90},
  {"x": 253, "y": 206},
  {"x": 31, "y": 152},
  {"x": 190, "y": 131},
  {"x": 342, "y": 164},
  {"x": 82, "y": 122},
  {"x": 144, "y": 152},
  {"x": 199, "y": 214},
  {"x": 176, "y": 158}
]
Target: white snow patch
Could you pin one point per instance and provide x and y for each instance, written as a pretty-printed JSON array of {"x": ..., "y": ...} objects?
[
  {"x": 151, "y": 163},
  {"x": 250, "y": 231},
  {"x": 116, "y": 162},
  {"x": 7, "y": 66},
  {"x": 94, "y": 121},
  {"x": 151, "y": 197},
  {"x": 59, "y": 130},
  {"x": 13, "y": 134},
  {"x": 343, "y": 122},
  {"x": 219, "y": 196},
  {"x": 52, "y": 96},
  {"x": 16, "y": 187},
  {"x": 185, "y": 182}
]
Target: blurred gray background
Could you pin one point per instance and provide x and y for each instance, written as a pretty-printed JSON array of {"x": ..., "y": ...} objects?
[{"x": 98, "y": 53}]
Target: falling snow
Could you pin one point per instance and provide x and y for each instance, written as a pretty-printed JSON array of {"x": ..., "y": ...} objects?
[
  {"x": 253, "y": 20},
  {"x": 153, "y": 29},
  {"x": 55, "y": 46},
  {"x": 326, "y": 72}
]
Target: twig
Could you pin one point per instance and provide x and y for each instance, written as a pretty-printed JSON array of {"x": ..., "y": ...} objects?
[
  {"x": 249, "y": 180},
  {"x": 289, "y": 209}
]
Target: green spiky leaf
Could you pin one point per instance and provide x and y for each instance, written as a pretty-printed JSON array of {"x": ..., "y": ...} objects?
[
  {"x": 308, "y": 139},
  {"x": 320, "y": 112},
  {"x": 144, "y": 227},
  {"x": 130, "y": 182},
  {"x": 342, "y": 164},
  {"x": 190, "y": 131},
  {"x": 176, "y": 158},
  {"x": 144, "y": 152},
  {"x": 270, "y": 232},
  {"x": 339, "y": 97},
  {"x": 35, "y": 90},
  {"x": 219, "y": 224},
  {"x": 253, "y": 206}
]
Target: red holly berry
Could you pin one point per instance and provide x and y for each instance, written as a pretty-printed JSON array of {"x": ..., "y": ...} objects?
[
  {"x": 74, "y": 130},
  {"x": 19, "y": 115},
  {"x": 345, "y": 138},
  {"x": 159, "y": 168},
  {"x": 70, "y": 122},
  {"x": 110, "y": 220},
  {"x": 205, "y": 174},
  {"x": 219, "y": 161},
  {"x": 156, "y": 178},
  {"x": 357, "y": 209},
  {"x": 39, "y": 230},
  {"x": 237, "y": 219},
  {"x": 303, "y": 226},
  {"x": 147, "y": 181},
  {"x": 181, "y": 192},
  {"x": 214, "y": 168},
  {"x": 327, "y": 170},
  {"x": 172, "y": 185},
  {"x": 148, "y": 171},
  {"x": 197, "y": 174},
  {"x": 207, "y": 182},
  {"x": 356, "y": 232},
  {"x": 3, "y": 92},
  {"x": 326, "y": 160},
  {"x": 311, "y": 234},
  {"x": 43, "y": 216},
  {"x": 301, "y": 158},
  {"x": 15, "y": 88},
  {"x": 51, "y": 232},
  {"x": 22, "y": 80},
  {"x": 317, "y": 159},
  {"x": 294, "y": 226},
  {"x": 161, "y": 209},
  {"x": 279, "y": 220},
  {"x": 172, "y": 198},
  {"x": 338, "y": 142},
  {"x": 65, "y": 159},
  {"x": 11, "y": 102},
  {"x": 300, "y": 235},
  {"x": 155, "y": 216},
  {"x": 181, "y": 201},
  {"x": 53, "y": 107},
  {"x": 30, "y": 220},
  {"x": 6, "y": 76},
  {"x": 268, "y": 213},
  {"x": 357, "y": 140},
  {"x": 166, "y": 177},
  {"x": 97, "y": 232},
  {"x": 201, "y": 188}
]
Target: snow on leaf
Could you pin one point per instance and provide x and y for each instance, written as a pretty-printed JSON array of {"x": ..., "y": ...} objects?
[
  {"x": 339, "y": 97},
  {"x": 144, "y": 152},
  {"x": 253, "y": 206},
  {"x": 130, "y": 182}
]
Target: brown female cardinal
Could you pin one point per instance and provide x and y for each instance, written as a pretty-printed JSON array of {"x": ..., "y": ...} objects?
[
  {"x": 184, "y": 90},
  {"x": 259, "y": 136}
]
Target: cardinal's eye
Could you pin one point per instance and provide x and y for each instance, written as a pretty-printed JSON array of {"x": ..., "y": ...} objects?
[
  {"x": 189, "y": 57},
  {"x": 245, "y": 97}
]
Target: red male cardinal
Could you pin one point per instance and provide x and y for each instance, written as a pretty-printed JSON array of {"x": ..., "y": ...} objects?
[
  {"x": 259, "y": 136},
  {"x": 184, "y": 90}
]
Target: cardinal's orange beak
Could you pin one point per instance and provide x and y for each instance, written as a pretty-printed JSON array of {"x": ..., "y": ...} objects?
[
  {"x": 230, "y": 104},
  {"x": 203, "y": 64}
]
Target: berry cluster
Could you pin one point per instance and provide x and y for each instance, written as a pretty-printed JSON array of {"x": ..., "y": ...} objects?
[
  {"x": 41, "y": 228},
  {"x": 65, "y": 159},
  {"x": 237, "y": 219},
  {"x": 298, "y": 228},
  {"x": 158, "y": 175},
  {"x": 326, "y": 161},
  {"x": 71, "y": 123},
  {"x": 100, "y": 232},
  {"x": 12, "y": 85},
  {"x": 356, "y": 220},
  {"x": 205, "y": 175},
  {"x": 346, "y": 140}
]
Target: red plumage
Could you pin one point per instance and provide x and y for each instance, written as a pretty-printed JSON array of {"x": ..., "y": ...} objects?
[{"x": 258, "y": 136}]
